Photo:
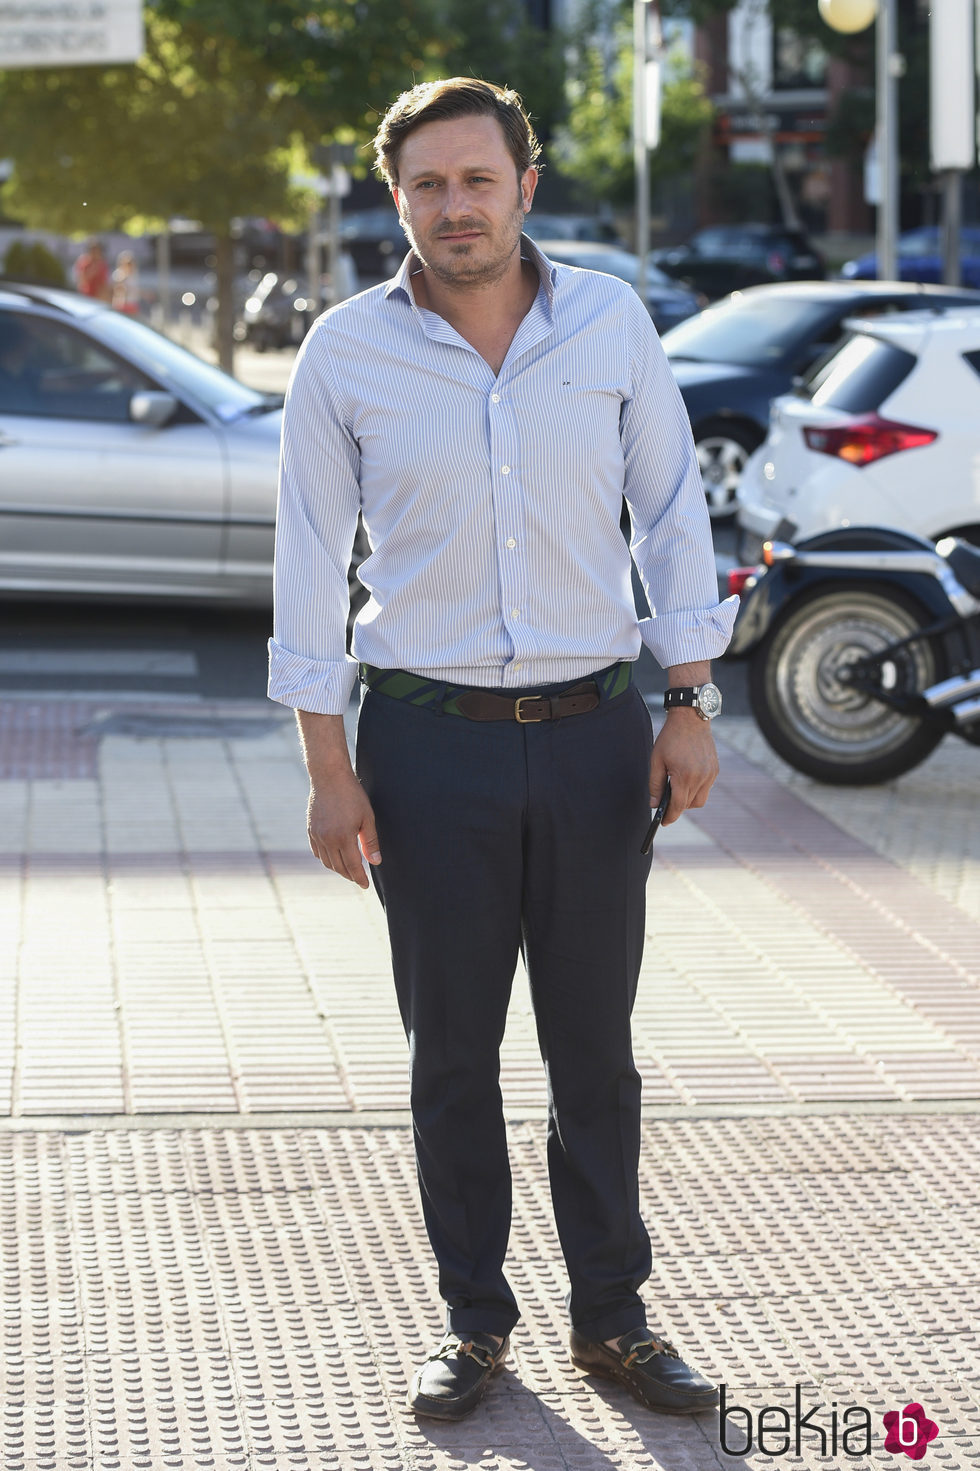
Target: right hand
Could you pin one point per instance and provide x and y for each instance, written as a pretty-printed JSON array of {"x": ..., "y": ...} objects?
[{"x": 341, "y": 827}]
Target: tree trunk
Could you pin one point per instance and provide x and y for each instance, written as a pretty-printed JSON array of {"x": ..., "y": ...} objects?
[{"x": 224, "y": 325}]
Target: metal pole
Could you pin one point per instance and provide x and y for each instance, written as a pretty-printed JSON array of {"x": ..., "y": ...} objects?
[
  {"x": 886, "y": 89},
  {"x": 163, "y": 278},
  {"x": 952, "y": 220},
  {"x": 313, "y": 260},
  {"x": 641, "y": 163},
  {"x": 333, "y": 233}
]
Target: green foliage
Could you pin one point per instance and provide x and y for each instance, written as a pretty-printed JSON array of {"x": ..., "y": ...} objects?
[
  {"x": 497, "y": 41},
  {"x": 339, "y": 62},
  {"x": 594, "y": 146},
  {"x": 189, "y": 129},
  {"x": 32, "y": 262}
]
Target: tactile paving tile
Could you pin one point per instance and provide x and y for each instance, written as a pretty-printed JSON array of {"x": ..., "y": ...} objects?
[{"x": 217, "y": 1299}]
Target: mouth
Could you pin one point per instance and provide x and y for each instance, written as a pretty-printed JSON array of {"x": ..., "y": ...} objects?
[{"x": 460, "y": 235}]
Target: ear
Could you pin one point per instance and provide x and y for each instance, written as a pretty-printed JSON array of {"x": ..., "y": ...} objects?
[
  {"x": 529, "y": 182},
  {"x": 396, "y": 196}
]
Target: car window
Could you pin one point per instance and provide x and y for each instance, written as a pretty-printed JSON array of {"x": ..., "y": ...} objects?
[
  {"x": 836, "y": 335},
  {"x": 861, "y": 375},
  {"x": 51, "y": 369},
  {"x": 747, "y": 331},
  {"x": 919, "y": 242},
  {"x": 179, "y": 370},
  {"x": 723, "y": 242},
  {"x": 972, "y": 359}
]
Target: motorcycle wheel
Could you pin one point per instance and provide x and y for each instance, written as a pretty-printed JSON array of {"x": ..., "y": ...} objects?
[{"x": 823, "y": 727}]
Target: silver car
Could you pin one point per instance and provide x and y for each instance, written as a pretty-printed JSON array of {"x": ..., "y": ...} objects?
[{"x": 127, "y": 465}]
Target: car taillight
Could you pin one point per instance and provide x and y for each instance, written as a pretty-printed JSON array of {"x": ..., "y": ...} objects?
[
  {"x": 741, "y": 578},
  {"x": 862, "y": 440}
]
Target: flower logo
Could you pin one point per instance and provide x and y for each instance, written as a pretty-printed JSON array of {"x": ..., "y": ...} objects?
[{"x": 909, "y": 1432}]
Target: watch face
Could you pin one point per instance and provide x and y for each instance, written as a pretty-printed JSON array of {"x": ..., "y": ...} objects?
[{"x": 709, "y": 700}]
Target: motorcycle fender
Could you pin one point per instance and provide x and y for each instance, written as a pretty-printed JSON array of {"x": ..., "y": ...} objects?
[{"x": 782, "y": 584}]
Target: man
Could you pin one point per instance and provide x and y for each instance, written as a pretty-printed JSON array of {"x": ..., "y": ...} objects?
[{"x": 487, "y": 411}]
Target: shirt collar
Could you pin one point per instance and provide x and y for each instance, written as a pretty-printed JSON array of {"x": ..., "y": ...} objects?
[{"x": 547, "y": 272}]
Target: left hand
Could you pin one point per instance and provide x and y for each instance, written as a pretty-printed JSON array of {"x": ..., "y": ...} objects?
[{"x": 684, "y": 750}]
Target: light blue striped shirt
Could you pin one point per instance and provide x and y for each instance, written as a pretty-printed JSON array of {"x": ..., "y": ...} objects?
[{"x": 492, "y": 502}]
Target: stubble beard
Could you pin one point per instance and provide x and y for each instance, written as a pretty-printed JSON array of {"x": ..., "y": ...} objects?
[{"x": 459, "y": 268}]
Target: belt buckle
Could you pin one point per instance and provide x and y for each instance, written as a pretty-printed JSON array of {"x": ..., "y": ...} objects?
[{"x": 526, "y": 719}]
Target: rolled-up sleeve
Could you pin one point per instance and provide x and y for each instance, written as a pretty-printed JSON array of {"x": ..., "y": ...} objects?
[
  {"x": 316, "y": 518},
  {"x": 671, "y": 541}
]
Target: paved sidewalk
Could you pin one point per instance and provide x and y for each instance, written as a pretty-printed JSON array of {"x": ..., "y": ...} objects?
[{"x": 209, "y": 1235}]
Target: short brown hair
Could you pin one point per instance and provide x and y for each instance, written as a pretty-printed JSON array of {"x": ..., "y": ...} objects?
[{"x": 451, "y": 97}]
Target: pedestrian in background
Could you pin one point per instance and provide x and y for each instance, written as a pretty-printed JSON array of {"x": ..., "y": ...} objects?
[
  {"x": 486, "y": 411},
  {"x": 126, "y": 284},
  {"x": 91, "y": 272}
]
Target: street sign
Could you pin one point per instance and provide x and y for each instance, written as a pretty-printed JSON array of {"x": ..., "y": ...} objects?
[
  {"x": 953, "y": 119},
  {"x": 69, "y": 32}
]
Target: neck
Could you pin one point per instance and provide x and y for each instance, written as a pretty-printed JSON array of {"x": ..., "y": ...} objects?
[{"x": 501, "y": 296}]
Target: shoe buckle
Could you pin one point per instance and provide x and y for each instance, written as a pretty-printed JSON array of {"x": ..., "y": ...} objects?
[
  {"x": 457, "y": 1348},
  {"x": 654, "y": 1346}
]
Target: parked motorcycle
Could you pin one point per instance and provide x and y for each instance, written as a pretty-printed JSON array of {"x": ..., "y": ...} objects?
[{"x": 864, "y": 650}]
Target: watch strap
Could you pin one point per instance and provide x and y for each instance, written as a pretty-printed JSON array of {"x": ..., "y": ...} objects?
[{"x": 681, "y": 696}]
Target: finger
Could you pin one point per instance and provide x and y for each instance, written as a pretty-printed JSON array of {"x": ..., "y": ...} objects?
[
  {"x": 350, "y": 865},
  {"x": 368, "y": 839},
  {"x": 658, "y": 777}
]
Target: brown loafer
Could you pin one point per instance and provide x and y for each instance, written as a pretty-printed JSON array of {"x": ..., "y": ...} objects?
[
  {"x": 454, "y": 1378},
  {"x": 650, "y": 1368}
]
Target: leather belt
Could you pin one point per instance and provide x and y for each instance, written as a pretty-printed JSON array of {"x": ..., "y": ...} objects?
[
  {"x": 483, "y": 704},
  {"x": 529, "y": 709}
]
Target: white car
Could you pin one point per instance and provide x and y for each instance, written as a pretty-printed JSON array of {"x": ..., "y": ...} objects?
[{"x": 885, "y": 432}]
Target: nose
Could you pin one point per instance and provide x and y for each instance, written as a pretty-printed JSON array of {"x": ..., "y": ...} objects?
[{"x": 455, "y": 201}]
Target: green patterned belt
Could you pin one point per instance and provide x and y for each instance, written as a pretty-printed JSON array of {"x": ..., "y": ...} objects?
[{"x": 576, "y": 698}]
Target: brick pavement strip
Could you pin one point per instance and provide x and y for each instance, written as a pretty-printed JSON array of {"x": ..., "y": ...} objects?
[{"x": 171, "y": 945}]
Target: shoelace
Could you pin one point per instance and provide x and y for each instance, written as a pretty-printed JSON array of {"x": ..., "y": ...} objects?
[{"x": 655, "y": 1345}]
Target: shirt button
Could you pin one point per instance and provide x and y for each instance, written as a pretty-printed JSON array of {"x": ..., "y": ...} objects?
[
  {"x": 515, "y": 612},
  {"x": 505, "y": 469},
  {"x": 510, "y": 542},
  {"x": 495, "y": 398},
  {"x": 518, "y": 666}
]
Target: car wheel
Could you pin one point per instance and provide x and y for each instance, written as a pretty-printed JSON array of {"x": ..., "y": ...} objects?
[{"x": 722, "y": 451}]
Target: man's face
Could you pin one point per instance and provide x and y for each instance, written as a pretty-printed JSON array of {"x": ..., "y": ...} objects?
[{"x": 460, "y": 203}]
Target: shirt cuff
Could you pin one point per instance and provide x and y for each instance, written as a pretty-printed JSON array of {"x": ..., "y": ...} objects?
[
  {"x": 689, "y": 635},
  {"x": 321, "y": 686}
]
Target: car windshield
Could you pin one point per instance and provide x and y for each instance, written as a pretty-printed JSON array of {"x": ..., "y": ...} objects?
[
  {"x": 177, "y": 368},
  {"x": 746, "y": 331}
]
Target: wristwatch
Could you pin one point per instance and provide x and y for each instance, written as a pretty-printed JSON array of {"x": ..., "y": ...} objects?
[{"x": 704, "y": 698}]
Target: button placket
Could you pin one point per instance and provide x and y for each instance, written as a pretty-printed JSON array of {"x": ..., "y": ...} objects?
[{"x": 508, "y": 504}]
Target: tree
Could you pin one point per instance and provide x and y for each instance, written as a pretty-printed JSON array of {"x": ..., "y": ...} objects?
[
  {"x": 210, "y": 123},
  {"x": 497, "y": 40},
  {"x": 593, "y": 146}
]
